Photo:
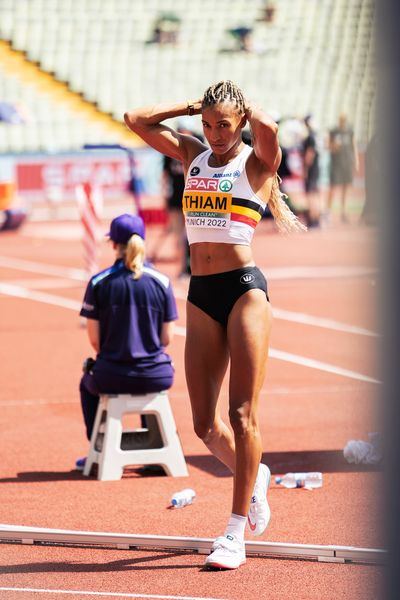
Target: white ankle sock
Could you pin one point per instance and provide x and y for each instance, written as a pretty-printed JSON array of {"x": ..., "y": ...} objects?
[{"x": 236, "y": 526}]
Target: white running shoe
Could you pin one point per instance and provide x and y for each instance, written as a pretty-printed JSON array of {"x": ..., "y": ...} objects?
[
  {"x": 259, "y": 511},
  {"x": 228, "y": 553}
]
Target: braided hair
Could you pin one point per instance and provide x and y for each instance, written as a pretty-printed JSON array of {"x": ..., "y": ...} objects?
[
  {"x": 286, "y": 221},
  {"x": 224, "y": 91},
  {"x": 228, "y": 91}
]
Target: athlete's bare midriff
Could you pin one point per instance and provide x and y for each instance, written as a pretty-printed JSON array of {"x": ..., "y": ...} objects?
[{"x": 208, "y": 258}]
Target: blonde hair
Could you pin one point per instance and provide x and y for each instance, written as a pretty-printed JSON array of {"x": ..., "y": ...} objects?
[
  {"x": 285, "y": 219},
  {"x": 133, "y": 254}
]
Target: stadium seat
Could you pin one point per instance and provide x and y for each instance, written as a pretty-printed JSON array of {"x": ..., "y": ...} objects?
[{"x": 315, "y": 56}]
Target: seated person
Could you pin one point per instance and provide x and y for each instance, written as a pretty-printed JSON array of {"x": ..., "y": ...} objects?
[
  {"x": 243, "y": 38},
  {"x": 130, "y": 310},
  {"x": 166, "y": 29}
]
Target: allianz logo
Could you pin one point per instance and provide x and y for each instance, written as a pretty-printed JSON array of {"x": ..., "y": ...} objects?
[{"x": 247, "y": 278}]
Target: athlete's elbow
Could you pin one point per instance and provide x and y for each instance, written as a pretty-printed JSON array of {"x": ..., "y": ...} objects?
[
  {"x": 271, "y": 126},
  {"x": 130, "y": 119},
  {"x": 271, "y": 131},
  {"x": 266, "y": 136},
  {"x": 267, "y": 128}
]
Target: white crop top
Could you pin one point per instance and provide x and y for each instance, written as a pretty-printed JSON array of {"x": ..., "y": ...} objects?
[{"x": 218, "y": 203}]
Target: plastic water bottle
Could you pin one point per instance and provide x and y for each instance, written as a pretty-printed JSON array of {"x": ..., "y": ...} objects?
[
  {"x": 183, "y": 498},
  {"x": 300, "y": 480}
]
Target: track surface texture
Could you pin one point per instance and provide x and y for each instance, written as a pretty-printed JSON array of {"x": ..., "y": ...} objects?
[{"x": 321, "y": 390}]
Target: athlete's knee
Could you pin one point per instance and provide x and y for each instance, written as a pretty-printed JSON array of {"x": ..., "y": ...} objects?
[
  {"x": 243, "y": 420},
  {"x": 205, "y": 429}
]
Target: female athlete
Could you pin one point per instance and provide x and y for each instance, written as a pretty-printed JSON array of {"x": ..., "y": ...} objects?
[{"x": 227, "y": 187}]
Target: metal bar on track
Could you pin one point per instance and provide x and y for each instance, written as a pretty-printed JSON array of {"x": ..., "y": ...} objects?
[{"x": 31, "y": 535}]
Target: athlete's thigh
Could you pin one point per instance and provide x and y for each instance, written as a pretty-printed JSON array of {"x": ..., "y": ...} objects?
[
  {"x": 206, "y": 360},
  {"x": 249, "y": 328}
]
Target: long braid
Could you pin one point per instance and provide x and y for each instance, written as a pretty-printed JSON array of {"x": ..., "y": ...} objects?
[
  {"x": 285, "y": 219},
  {"x": 228, "y": 91}
]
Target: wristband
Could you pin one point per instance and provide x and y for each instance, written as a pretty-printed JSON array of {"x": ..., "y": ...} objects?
[{"x": 190, "y": 109}]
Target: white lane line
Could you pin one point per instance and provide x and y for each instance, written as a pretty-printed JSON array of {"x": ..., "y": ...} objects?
[
  {"x": 267, "y": 391},
  {"x": 278, "y": 313},
  {"x": 297, "y": 317},
  {"x": 320, "y": 366},
  {"x": 323, "y": 272},
  {"x": 271, "y": 273},
  {"x": 105, "y": 594},
  {"x": 43, "y": 268},
  {"x": 20, "y": 292},
  {"x": 46, "y": 283},
  {"x": 38, "y": 402},
  {"x": 15, "y": 291}
]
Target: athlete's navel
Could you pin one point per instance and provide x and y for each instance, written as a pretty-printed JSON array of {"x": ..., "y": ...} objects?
[{"x": 208, "y": 259}]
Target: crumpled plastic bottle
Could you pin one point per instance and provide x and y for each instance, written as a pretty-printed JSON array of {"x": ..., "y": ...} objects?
[{"x": 367, "y": 453}]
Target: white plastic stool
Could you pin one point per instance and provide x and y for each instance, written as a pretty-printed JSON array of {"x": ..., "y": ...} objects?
[{"x": 112, "y": 448}]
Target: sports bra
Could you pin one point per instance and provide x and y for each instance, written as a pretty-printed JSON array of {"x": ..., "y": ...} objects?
[{"x": 218, "y": 203}]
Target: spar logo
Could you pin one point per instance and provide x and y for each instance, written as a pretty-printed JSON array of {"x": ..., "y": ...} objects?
[
  {"x": 247, "y": 278},
  {"x": 202, "y": 183},
  {"x": 208, "y": 185},
  {"x": 225, "y": 185}
]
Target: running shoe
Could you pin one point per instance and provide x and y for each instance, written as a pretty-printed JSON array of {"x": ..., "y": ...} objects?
[
  {"x": 259, "y": 512},
  {"x": 80, "y": 463},
  {"x": 228, "y": 553}
]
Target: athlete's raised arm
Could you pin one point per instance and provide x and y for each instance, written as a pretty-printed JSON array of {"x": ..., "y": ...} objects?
[
  {"x": 146, "y": 122},
  {"x": 265, "y": 137}
]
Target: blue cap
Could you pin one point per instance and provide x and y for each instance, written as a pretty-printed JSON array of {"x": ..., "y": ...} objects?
[{"x": 122, "y": 228}]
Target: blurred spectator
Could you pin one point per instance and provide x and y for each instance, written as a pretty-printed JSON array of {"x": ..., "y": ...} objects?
[
  {"x": 53, "y": 194},
  {"x": 12, "y": 218},
  {"x": 372, "y": 182},
  {"x": 166, "y": 29},
  {"x": 246, "y": 137},
  {"x": 343, "y": 162},
  {"x": 269, "y": 12},
  {"x": 174, "y": 184},
  {"x": 243, "y": 38},
  {"x": 135, "y": 185},
  {"x": 14, "y": 113},
  {"x": 292, "y": 133},
  {"x": 283, "y": 170},
  {"x": 311, "y": 173}
]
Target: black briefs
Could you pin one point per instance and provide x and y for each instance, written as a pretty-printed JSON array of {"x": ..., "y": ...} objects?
[{"x": 216, "y": 294}]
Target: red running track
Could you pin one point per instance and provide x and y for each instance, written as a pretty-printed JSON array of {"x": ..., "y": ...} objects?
[{"x": 308, "y": 412}]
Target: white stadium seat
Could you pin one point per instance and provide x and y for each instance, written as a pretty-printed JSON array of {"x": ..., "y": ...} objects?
[{"x": 316, "y": 56}]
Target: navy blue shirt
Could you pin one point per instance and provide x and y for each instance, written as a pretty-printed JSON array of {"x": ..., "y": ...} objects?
[{"x": 131, "y": 313}]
